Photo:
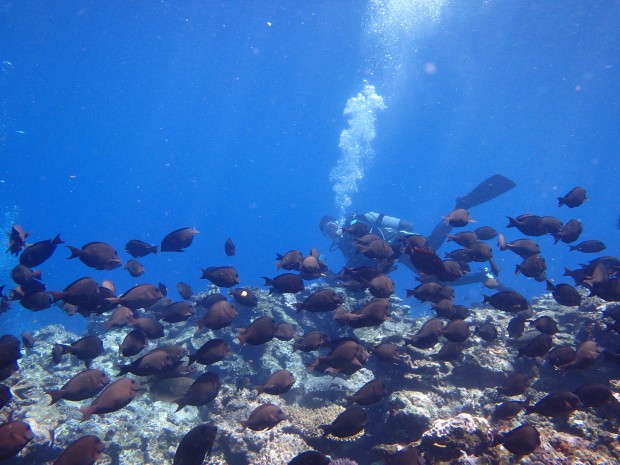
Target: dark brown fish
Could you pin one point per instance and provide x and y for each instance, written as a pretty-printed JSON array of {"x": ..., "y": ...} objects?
[
  {"x": 168, "y": 389},
  {"x": 528, "y": 224},
  {"x": 545, "y": 324},
  {"x": 97, "y": 255},
  {"x": 552, "y": 224},
  {"x": 263, "y": 417},
  {"x": 177, "y": 312},
  {"x": 84, "y": 385},
  {"x": 149, "y": 364},
  {"x": 311, "y": 341},
  {"x": 377, "y": 249},
  {"x": 138, "y": 249},
  {"x": 323, "y": 300},
  {"x": 381, "y": 286},
  {"x": 120, "y": 317},
  {"x": 507, "y": 410},
  {"x": 458, "y": 218},
  {"x": 591, "y": 246},
  {"x": 140, "y": 296},
  {"x": 387, "y": 352},
  {"x": 178, "y": 240},
  {"x": 347, "y": 356},
  {"x": 210, "y": 352},
  {"x": 348, "y": 423},
  {"x": 260, "y": 331},
  {"x": 37, "y": 301},
  {"x": 311, "y": 457},
  {"x": 409, "y": 455},
  {"x": 464, "y": 239},
  {"x": 449, "y": 352},
  {"x": 287, "y": 283},
  {"x": 570, "y": 232},
  {"x": 229, "y": 247},
  {"x": 23, "y": 275},
  {"x": 219, "y": 315},
  {"x": 210, "y": 299},
  {"x": 561, "y": 355},
  {"x": 594, "y": 394},
  {"x": 35, "y": 254},
  {"x": 508, "y": 301},
  {"x": 285, "y": 332},
  {"x": 533, "y": 266},
  {"x": 86, "y": 348},
  {"x": 114, "y": 397},
  {"x": 452, "y": 270},
  {"x": 195, "y": 445},
  {"x": 84, "y": 291},
  {"x": 84, "y": 451},
  {"x": 537, "y": 347},
  {"x": 5, "y": 395},
  {"x": 133, "y": 343},
  {"x": 202, "y": 391},
  {"x": 431, "y": 291},
  {"x": 244, "y": 296},
  {"x": 557, "y": 404},
  {"x": 485, "y": 233},
  {"x": 149, "y": 326},
  {"x": 521, "y": 441},
  {"x": 185, "y": 290},
  {"x": 291, "y": 260},
  {"x": 565, "y": 294},
  {"x": 135, "y": 268},
  {"x": 456, "y": 331},
  {"x": 514, "y": 385},
  {"x": 480, "y": 252},
  {"x": 279, "y": 382},
  {"x": 426, "y": 261},
  {"x": 574, "y": 198},
  {"x": 522, "y": 247},
  {"x": 14, "y": 436},
  {"x": 370, "y": 393},
  {"x": 28, "y": 339},
  {"x": 17, "y": 239},
  {"x": 428, "y": 334},
  {"x": 487, "y": 332},
  {"x": 587, "y": 354},
  {"x": 221, "y": 276},
  {"x": 373, "y": 313}
]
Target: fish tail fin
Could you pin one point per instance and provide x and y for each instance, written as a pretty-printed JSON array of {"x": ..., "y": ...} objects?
[
  {"x": 561, "y": 201},
  {"x": 299, "y": 306},
  {"x": 55, "y": 395},
  {"x": 181, "y": 402},
  {"x": 86, "y": 412},
  {"x": 486, "y": 299},
  {"x": 326, "y": 430},
  {"x": 123, "y": 369},
  {"x": 75, "y": 252},
  {"x": 529, "y": 409},
  {"x": 155, "y": 249},
  {"x": 57, "y": 240},
  {"x": 512, "y": 223},
  {"x": 259, "y": 389},
  {"x": 244, "y": 425}
]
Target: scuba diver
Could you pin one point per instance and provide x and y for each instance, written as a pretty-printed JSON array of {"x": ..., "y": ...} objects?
[{"x": 398, "y": 233}]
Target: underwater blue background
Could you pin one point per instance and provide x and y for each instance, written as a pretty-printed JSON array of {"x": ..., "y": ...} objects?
[{"x": 126, "y": 120}]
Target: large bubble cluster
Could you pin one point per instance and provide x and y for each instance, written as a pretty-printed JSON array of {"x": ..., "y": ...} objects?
[{"x": 356, "y": 151}]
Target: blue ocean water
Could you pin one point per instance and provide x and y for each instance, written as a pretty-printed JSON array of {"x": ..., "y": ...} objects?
[{"x": 127, "y": 120}]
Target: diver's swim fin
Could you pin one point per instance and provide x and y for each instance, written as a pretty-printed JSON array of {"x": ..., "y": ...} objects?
[{"x": 487, "y": 190}]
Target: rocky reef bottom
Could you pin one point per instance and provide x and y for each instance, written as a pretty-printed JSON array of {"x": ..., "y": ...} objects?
[{"x": 446, "y": 407}]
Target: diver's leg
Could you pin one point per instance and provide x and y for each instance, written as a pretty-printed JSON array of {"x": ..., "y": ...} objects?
[{"x": 487, "y": 190}]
